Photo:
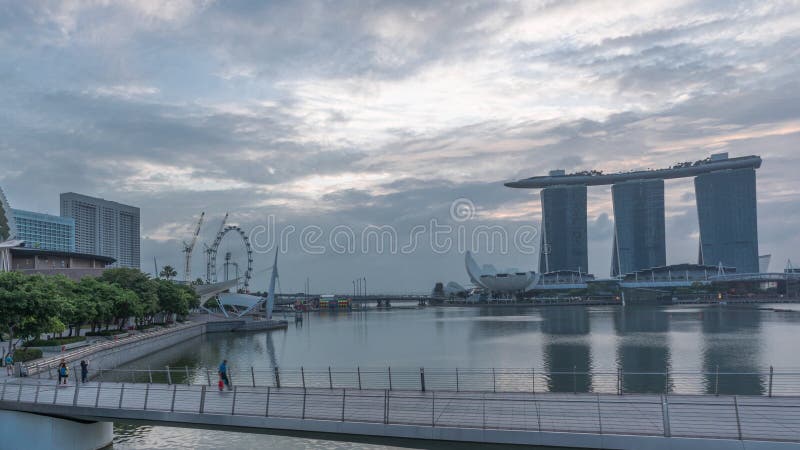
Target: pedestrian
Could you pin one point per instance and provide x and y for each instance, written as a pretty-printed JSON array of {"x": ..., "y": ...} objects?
[
  {"x": 63, "y": 373},
  {"x": 84, "y": 370},
  {"x": 223, "y": 375},
  {"x": 9, "y": 364}
]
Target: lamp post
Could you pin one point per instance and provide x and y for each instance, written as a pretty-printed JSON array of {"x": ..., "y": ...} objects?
[{"x": 365, "y": 286}]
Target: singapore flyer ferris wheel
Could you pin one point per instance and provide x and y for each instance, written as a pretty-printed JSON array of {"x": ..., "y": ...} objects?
[{"x": 232, "y": 257}]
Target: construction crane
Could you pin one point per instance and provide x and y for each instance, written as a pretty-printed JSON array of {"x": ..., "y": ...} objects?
[
  {"x": 188, "y": 248},
  {"x": 210, "y": 250}
]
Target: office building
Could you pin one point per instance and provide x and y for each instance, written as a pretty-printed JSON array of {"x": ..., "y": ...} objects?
[
  {"x": 45, "y": 231},
  {"x": 727, "y": 212},
  {"x": 726, "y": 204},
  {"x": 639, "y": 234},
  {"x": 104, "y": 228},
  {"x": 563, "y": 231}
]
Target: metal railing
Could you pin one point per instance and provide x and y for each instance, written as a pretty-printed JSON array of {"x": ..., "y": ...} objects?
[
  {"x": 724, "y": 417},
  {"x": 767, "y": 383},
  {"x": 51, "y": 362}
]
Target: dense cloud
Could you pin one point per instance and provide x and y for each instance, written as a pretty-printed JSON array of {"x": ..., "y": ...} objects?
[{"x": 386, "y": 113}]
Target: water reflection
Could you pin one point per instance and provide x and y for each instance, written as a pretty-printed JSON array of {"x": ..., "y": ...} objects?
[
  {"x": 732, "y": 344},
  {"x": 683, "y": 341},
  {"x": 567, "y": 354},
  {"x": 643, "y": 356}
]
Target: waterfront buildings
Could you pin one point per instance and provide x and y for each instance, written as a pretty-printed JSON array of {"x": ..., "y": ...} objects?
[
  {"x": 726, "y": 210},
  {"x": 8, "y": 228},
  {"x": 639, "y": 235},
  {"x": 505, "y": 282},
  {"x": 45, "y": 231},
  {"x": 37, "y": 243},
  {"x": 564, "y": 233},
  {"x": 104, "y": 228},
  {"x": 726, "y": 204},
  {"x": 53, "y": 262}
]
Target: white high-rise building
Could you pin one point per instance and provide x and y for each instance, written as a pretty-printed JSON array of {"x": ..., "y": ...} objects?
[{"x": 104, "y": 227}]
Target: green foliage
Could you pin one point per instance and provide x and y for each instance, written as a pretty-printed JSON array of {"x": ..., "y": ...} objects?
[
  {"x": 168, "y": 273},
  {"x": 27, "y": 354},
  {"x": 32, "y": 305},
  {"x": 55, "y": 341}
]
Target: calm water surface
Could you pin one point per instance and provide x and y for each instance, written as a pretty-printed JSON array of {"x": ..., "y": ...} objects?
[{"x": 549, "y": 339}]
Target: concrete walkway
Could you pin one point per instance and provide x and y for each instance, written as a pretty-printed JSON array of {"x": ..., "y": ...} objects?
[{"x": 576, "y": 420}]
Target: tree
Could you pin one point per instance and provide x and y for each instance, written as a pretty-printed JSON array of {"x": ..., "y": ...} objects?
[
  {"x": 28, "y": 307},
  {"x": 168, "y": 272},
  {"x": 141, "y": 284}
]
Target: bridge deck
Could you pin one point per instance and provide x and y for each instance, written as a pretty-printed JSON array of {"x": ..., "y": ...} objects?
[{"x": 580, "y": 420}]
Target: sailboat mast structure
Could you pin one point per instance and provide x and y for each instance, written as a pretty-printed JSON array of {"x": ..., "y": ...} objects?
[{"x": 273, "y": 278}]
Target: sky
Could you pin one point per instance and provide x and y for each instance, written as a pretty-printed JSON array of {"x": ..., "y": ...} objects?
[{"x": 344, "y": 125}]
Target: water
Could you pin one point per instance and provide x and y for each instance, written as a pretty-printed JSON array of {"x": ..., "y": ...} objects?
[{"x": 599, "y": 340}]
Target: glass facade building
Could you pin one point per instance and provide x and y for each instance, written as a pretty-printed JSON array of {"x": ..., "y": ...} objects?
[
  {"x": 45, "y": 231},
  {"x": 104, "y": 228},
  {"x": 639, "y": 230},
  {"x": 727, "y": 212},
  {"x": 563, "y": 231}
]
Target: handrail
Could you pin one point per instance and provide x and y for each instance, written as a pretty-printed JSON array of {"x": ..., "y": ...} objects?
[
  {"x": 733, "y": 418},
  {"x": 51, "y": 362},
  {"x": 767, "y": 383}
]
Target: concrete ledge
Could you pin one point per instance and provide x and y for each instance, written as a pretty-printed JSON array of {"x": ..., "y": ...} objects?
[
  {"x": 217, "y": 326},
  {"x": 21, "y": 430}
]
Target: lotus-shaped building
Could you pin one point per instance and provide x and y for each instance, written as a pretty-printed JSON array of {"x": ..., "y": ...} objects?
[{"x": 491, "y": 279}]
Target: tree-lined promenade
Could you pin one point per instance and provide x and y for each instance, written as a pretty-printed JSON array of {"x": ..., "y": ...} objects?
[{"x": 33, "y": 305}]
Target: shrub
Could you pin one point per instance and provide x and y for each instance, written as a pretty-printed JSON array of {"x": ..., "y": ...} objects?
[
  {"x": 27, "y": 354},
  {"x": 55, "y": 341}
]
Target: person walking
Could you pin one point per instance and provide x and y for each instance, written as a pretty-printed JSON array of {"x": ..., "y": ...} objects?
[
  {"x": 223, "y": 375},
  {"x": 9, "y": 364},
  {"x": 63, "y": 373},
  {"x": 84, "y": 370}
]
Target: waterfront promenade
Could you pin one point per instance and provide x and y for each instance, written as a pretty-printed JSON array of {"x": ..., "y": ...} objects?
[{"x": 558, "y": 419}]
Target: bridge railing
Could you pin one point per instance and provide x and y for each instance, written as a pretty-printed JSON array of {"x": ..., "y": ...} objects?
[
  {"x": 724, "y": 417},
  {"x": 50, "y": 363},
  {"x": 767, "y": 382}
]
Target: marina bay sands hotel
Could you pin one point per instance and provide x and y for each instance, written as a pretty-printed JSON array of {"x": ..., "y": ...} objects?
[{"x": 725, "y": 190}]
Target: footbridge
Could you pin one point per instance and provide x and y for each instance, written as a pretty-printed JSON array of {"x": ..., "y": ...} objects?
[{"x": 421, "y": 414}]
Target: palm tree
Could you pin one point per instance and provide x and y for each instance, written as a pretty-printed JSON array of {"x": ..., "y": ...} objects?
[{"x": 168, "y": 272}]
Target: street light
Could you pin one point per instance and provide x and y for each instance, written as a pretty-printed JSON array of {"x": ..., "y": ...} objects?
[{"x": 365, "y": 286}]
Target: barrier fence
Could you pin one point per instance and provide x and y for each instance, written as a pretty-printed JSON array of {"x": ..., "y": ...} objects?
[
  {"x": 762, "y": 383},
  {"x": 51, "y": 362},
  {"x": 722, "y": 417}
]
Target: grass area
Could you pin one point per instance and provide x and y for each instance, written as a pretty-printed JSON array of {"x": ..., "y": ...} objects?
[{"x": 55, "y": 341}]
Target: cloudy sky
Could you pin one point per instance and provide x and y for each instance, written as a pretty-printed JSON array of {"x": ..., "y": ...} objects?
[{"x": 358, "y": 114}]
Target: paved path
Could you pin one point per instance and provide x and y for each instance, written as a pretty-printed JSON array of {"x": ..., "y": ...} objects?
[{"x": 726, "y": 418}]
